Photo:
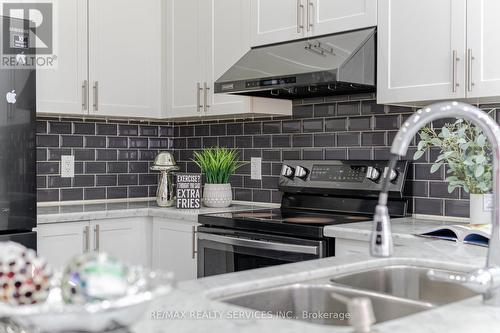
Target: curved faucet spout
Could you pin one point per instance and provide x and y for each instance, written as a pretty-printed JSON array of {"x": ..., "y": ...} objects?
[{"x": 490, "y": 129}]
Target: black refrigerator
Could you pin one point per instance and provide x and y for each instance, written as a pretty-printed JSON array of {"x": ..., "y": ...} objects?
[{"x": 17, "y": 154}]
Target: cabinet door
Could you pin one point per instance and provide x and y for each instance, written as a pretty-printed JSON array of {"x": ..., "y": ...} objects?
[
  {"x": 421, "y": 49},
  {"x": 59, "y": 242},
  {"x": 483, "y": 47},
  {"x": 125, "y": 57},
  {"x": 174, "y": 248},
  {"x": 60, "y": 90},
  {"x": 219, "y": 57},
  {"x": 125, "y": 239},
  {"x": 331, "y": 16},
  {"x": 184, "y": 58},
  {"x": 277, "y": 21}
]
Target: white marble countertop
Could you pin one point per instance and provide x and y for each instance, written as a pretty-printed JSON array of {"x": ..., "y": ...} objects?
[
  {"x": 195, "y": 302},
  {"x": 94, "y": 211},
  {"x": 403, "y": 229},
  {"x": 195, "y": 298}
]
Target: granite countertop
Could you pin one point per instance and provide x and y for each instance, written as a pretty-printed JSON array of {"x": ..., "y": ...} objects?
[{"x": 84, "y": 212}]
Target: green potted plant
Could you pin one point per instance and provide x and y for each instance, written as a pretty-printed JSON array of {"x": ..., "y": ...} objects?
[
  {"x": 466, "y": 152},
  {"x": 217, "y": 164}
]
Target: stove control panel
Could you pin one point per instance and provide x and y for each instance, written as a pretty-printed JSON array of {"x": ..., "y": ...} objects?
[
  {"x": 339, "y": 173},
  {"x": 309, "y": 176}
]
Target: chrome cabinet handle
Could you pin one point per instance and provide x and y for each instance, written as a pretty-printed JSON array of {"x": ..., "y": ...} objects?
[
  {"x": 198, "y": 97},
  {"x": 310, "y": 11},
  {"x": 194, "y": 242},
  {"x": 470, "y": 84},
  {"x": 206, "y": 88},
  {"x": 86, "y": 236},
  {"x": 96, "y": 235},
  {"x": 300, "y": 16},
  {"x": 96, "y": 96},
  {"x": 85, "y": 90},
  {"x": 454, "y": 60}
]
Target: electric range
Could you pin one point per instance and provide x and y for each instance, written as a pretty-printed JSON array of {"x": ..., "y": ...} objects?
[{"x": 315, "y": 194}]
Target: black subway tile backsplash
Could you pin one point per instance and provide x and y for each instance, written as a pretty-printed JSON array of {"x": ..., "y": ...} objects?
[
  {"x": 348, "y": 109},
  {"x": 113, "y": 158},
  {"x": 292, "y": 126},
  {"x": 360, "y": 123},
  {"x": 72, "y": 141},
  {"x": 348, "y": 139},
  {"x": 59, "y": 127},
  {"x": 95, "y": 141},
  {"x": 47, "y": 141},
  {"x": 107, "y": 129},
  {"x": 84, "y": 128}
]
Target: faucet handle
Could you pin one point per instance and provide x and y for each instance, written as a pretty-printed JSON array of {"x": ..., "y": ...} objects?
[
  {"x": 381, "y": 239},
  {"x": 481, "y": 281}
]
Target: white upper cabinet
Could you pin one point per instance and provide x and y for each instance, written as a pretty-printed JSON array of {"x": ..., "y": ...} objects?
[
  {"x": 204, "y": 39},
  {"x": 184, "y": 58},
  {"x": 125, "y": 57},
  {"x": 331, "y": 16},
  {"x": 277, "y": 20},
  {"x": 483, "y": 48},
  {"x": 450, "y": 54},
  {"x": 62, "y": 89},
  {"x": 284, "y": 20},
  {"x": 421, "y": 47}
]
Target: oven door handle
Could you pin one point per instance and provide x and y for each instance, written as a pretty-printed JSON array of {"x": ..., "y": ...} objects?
[{"x": 259, "y": 244}]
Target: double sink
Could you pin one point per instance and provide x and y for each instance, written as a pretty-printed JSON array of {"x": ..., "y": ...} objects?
[{"x": 395, "y": 291}]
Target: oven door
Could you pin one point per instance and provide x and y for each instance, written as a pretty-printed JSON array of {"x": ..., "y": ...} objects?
[{"x": 221, "y": 252}]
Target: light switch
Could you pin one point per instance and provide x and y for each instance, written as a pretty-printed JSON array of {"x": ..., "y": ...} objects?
[
  {"x": 67, "y": 166},
  {"x": 256, "y": 168}
]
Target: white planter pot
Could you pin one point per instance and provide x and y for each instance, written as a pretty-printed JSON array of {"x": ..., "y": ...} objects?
[
  {"x": 480, "y": 208},
  {"x": 217, "y": 195}
]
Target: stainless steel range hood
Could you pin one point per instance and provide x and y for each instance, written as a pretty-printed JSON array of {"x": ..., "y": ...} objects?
[{"x": 328, "y": 65}]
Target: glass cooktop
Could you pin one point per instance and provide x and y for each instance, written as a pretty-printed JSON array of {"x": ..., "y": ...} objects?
[{"x": 298, "y": 217}]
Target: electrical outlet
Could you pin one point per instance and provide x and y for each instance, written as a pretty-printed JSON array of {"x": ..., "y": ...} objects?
[
  {"x": 256, "y": 168},
  {"x": 67, "y": 166}
]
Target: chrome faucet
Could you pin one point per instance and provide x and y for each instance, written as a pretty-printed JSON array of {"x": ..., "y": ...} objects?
[{"x": 486, "y": 280}]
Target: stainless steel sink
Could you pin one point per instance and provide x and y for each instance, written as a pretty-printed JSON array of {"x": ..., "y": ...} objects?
[
  {"x": 313, "y": 303},
  {"x": 410, "y": 282},
  {"x": 395, "y": 291}
]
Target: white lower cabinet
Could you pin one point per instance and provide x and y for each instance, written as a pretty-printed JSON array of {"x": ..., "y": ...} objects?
[
  {"x": 157, "y": 243},
  {"x": 174, "y": 247},
  {"x": 59, "y": 242},
  {"x": 126, "y": 239}
]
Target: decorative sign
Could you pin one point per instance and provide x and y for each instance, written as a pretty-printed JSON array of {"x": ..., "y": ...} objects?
[{"x": 188, "y": 190}]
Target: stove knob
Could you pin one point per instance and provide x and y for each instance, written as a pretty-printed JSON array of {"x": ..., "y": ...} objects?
[
  {"x": 393, "y": 176},
  {"x": 301, "y": 172},
  {"x": 287, "y": 171},
  {"x": 373, "y": 174}
]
